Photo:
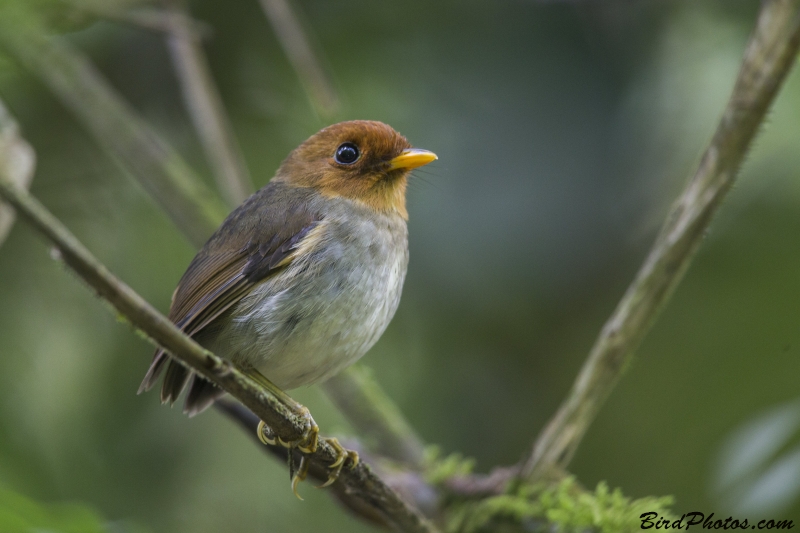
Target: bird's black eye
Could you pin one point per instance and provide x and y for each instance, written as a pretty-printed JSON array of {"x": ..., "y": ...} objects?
[{"x": 347, "y": 154}]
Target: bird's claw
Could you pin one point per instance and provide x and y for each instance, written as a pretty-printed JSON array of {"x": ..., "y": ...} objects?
[
  {"x": 307, "y": 443},
  {"x": 342, "y": 455},
  {"x": 299, "y": 475},
  {"x": 262, "y": 431}
]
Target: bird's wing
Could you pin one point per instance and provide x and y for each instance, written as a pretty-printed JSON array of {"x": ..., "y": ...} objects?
[
  {"x": 215, "y": 283},
  {"x": 255, "y": 242}
]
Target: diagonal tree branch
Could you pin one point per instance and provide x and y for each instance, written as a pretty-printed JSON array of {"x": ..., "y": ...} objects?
[
  {"x": 359, "y": 482},
  {"x": 298, "y": 49},
  {"x": 192, "y": 206},
  {"x": 769, "y": 56},
  {"x": 205, "y": 107}
]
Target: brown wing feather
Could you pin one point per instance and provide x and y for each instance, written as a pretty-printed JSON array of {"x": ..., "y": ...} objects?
[
  {"x": 205, "y": 280},
  {"x": 255, "y": 242}
]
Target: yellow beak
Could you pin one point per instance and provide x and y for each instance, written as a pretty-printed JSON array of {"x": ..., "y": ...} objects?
[{"x": 412, "y": 158}]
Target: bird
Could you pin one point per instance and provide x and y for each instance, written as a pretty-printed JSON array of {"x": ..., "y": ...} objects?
[{"x": 304, "y": 276}]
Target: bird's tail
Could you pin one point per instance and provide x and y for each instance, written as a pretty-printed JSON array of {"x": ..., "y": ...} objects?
[{"x": 202, "y": 392}]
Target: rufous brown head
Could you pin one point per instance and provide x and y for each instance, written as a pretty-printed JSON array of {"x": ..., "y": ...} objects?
[{"x": 363, "y": 160}]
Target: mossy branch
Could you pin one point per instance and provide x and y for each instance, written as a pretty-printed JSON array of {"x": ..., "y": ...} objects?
[
  {"x": 768, "y": 58},
  {"x": 359, "y": 482}
]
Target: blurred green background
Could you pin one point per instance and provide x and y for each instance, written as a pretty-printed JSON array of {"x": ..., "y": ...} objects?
[{"x": 563, "y": 129}]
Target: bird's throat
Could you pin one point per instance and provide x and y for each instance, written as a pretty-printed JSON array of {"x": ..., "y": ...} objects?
[{"x": 386, "y": 195}]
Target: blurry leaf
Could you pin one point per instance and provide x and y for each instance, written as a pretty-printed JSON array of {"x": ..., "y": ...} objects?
[
  {"x": 777, "y": 487},
  {"x": 17, "y": 162},
  {"x": 759, "y": 468},
  {"x": 19, "y": 514}
]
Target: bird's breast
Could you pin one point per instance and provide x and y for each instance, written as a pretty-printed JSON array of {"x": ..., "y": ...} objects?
[{"x": 328, "y": 306}]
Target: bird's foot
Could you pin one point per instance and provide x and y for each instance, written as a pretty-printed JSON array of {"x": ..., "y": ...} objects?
[
  {"x": 342, "y": 455},
  {"x": 307, "y": 443}
]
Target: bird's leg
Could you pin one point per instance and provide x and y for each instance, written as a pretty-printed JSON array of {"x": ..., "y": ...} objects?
[
  {"x": 310, "y": 439},
  {"x": 308, "y": 443}
]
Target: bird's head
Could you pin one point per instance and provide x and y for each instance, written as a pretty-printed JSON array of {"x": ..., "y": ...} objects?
[{"x": 362, "y": 160}]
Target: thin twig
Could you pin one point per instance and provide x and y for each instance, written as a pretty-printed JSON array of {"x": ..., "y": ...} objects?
[
  {"x": 192, "y": 206},
  {"x": 17, "y": 161},
  {"x": 205, "y": 107},
  {"x": 374, "y": 416},
  {"x": 768, "y": 58},
  {"x": 301, "y": 55},
  {"x": 360, "y": 481}
]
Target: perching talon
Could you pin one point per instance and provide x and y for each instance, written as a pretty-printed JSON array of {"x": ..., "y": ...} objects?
[
  {"x": 300, "y": 475},
  {"x": 262, "y": 436},
  {"x": 307, "y": 444},
  {"x": 342, "y": 455}
]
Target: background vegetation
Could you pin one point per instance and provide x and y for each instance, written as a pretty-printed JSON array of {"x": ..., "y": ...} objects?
[{"x": 563, "y": 130}]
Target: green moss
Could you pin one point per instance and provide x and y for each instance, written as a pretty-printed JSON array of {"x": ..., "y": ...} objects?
[
  {"x": 563, "y": 508},
  {"x": 438, "y": 469}
]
